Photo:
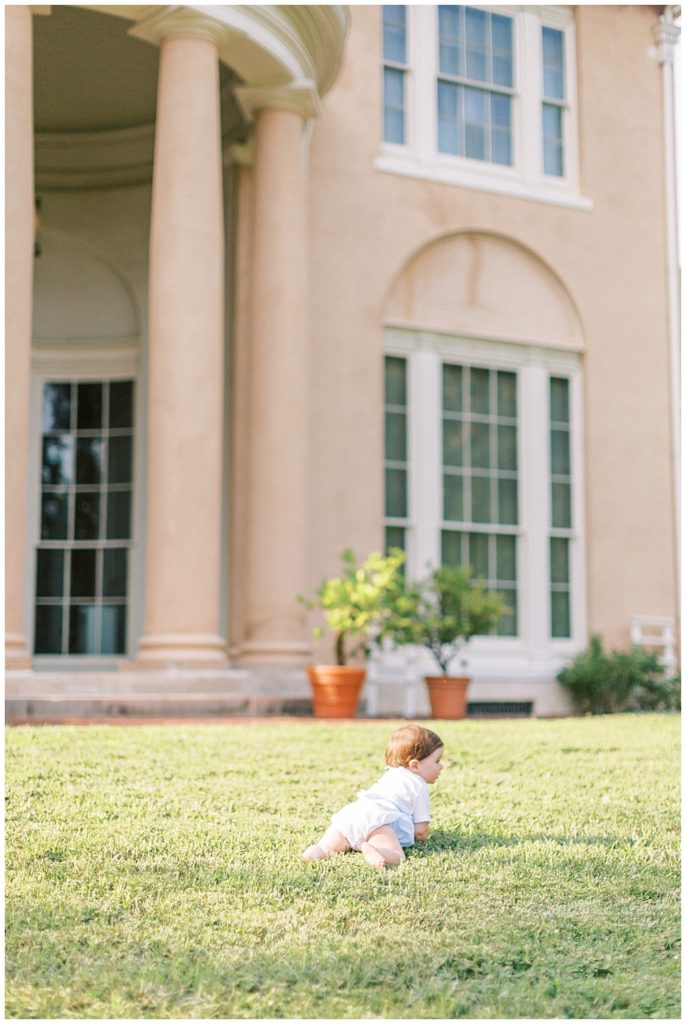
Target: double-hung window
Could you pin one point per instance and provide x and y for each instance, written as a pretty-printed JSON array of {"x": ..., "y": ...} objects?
[{"x": 483, "y": 97}]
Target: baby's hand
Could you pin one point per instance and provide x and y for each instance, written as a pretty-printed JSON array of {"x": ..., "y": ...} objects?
[{"x": 421, "y": 830}]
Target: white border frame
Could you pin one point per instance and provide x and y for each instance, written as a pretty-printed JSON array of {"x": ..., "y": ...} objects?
[
  {"x": 534, "y": 652},
  {"x": 83, "y": 361}
]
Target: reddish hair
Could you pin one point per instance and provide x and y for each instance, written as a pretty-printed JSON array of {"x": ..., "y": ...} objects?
[{"x": 409, "y": 743}]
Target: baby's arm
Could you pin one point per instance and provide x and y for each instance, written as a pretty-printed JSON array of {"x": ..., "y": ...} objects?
[{"x": 421, "y": 830}]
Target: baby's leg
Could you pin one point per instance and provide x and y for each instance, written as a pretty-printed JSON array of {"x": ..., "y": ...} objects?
[
  {"x": 331, "y": 842},
  {"x": 382, "y": 848}
]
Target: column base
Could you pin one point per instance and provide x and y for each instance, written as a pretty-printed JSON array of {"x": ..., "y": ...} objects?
[
  {"x": 179, "y": 650},
  {"x": 17, "y": 654},
  {"x": 287, "y": 653}
]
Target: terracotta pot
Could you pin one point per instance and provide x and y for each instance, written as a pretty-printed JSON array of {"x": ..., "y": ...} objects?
[
  {"x": 448, "y": 696},
  {"x": 335, "y": 690}
]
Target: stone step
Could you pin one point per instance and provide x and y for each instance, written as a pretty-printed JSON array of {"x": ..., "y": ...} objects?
[
  {"x": 103, "y": 684},
  {"x": 43, "y": 709}
]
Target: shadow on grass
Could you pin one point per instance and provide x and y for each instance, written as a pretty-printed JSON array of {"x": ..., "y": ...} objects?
[{"x": 469, "y": 842}]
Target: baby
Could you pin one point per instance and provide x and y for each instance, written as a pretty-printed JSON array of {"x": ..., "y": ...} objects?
[{"x": 395, "y": 811}]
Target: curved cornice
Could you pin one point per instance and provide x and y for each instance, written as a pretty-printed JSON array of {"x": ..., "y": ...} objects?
[{"x": 275, "y": 44}]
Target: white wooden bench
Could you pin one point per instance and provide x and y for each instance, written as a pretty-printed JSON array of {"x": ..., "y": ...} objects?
[{"x": 655, "y": 633}]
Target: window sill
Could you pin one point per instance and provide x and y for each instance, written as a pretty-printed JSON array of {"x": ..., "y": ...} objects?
[{"x": 483, "y": 181}]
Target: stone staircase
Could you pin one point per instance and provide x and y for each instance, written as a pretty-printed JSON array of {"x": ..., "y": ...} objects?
[{"x": 47, "y": 697}]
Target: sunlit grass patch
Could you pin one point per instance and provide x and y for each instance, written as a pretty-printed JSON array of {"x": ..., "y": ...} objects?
[{"x": 156, "y": 872}]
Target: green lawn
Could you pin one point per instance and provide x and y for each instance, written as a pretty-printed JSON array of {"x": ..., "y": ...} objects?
[{"x": 155, "y": 871}]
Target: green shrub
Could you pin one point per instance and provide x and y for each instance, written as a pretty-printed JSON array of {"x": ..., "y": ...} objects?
[{"x": 604, "y": 683}]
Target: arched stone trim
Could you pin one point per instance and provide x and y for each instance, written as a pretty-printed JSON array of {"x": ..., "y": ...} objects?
[
  {"x": 105, "y": 265},
  {"x": 484, "y": 284}
]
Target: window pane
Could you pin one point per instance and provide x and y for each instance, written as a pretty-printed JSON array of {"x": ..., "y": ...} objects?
[
  {"x": 82, "y": 629},
  {"x": 559, "y": 400},
  {"x": 481, "y": 445},
  {"x": 453, "y": 442},
  {"x": 395, "y": 380},
  {"x": 553, "y": 64},
  {"x": 552, "y": 159},
  {"x": 54, "y": 508},
  {"x": 478, "y": 554},
  {"x": 394, "y": 88},
  {"x": 447, "y": 99},
  {"x": 448, "y": 138},
  {"x": 394, "y": 34},
  {"x": 114, "y": 572},
  {"x": 49, "y": 573},
  {"x": 452, "y": 388},
  {"x": 552, "y": 122},
  {"x": 508, "y": 623},
  {"x": 58, "y": 460},
  {"x": 501, "y": 108},
  {"x": 83, "y": 572},
  {"x": 477, "y": 67},
  {"x": 121, "y": 404},
  {"x": 87, "y": 518},
  {"x": 396, "y": 492},
  {"x": 89, "y": 406},
  {"x": 113, "y": 629},
  {"x": 479, "y": 391},
  {"x": 48, "y": 630},
  {"x": 119, "y": 461},
  {"x": 453, "y": 497},
  {"x": 506, "y": 558},
  {"x": 475, "y": 142},
  {"x": 562, "y": 505},
  {"x": 559, "y": 560},
  {"x": 88, "y": 460},
  {"x": 394, "y": 538},
  {"x": 507, "y": 448},
  {"x": 560, "y": 613},
  {"x": 395, "y": 436},
  {"x": 507, "y": 394},
  {"x": 451, "y": 548},
  {"x": 507, "y": 502},
  {"x": 559, "y": 452},
  {"x": 501, "y": 35},
  {"x": 501, "y": 149},
  {"x": 119, "y": 515},
  {"x": 450, "y": 59},
  {"x": 56, "y": 407},
  {"x": 394, "y": 126},
  {"x": 502, "y": 70},
  {"x": 481, "y": 499}
]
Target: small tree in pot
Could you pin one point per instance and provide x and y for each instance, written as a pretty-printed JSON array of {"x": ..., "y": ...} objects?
[
  {"x": 442, "y": 613},
  {"x": 356, "y": 605}
]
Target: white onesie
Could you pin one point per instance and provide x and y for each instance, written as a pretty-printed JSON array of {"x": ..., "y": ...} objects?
[{"x": 399, "y": 799}]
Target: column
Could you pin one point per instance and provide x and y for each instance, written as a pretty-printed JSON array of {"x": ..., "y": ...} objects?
[
  {"x": 276, "y": 477},
  {"x": 19, "y": 231},
  {"x": 186, "y": 361}
]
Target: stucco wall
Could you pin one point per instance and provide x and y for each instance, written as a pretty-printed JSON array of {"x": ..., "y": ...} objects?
[{"x": 365, "y": 225}]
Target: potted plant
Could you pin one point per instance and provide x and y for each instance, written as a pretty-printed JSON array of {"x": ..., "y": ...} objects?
[
  {"x": 355, "y": 605},
  {"x": 442, "y": 613}
]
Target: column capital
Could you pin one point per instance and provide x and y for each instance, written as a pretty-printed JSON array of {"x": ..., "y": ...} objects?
[
  {"x": 666, "y": 34},
  {"x": 178, "y": 20},
  {"x": 301, "y": 97}
]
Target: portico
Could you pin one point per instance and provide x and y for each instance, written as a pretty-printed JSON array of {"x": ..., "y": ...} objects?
[{"x": 202, "y": 330}]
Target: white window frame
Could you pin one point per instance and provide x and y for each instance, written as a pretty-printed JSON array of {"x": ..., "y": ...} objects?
[
  {"x": 81, "y": 362},
  {"x": 533, "y": 652},
  {"x": 420, "y": 158}
]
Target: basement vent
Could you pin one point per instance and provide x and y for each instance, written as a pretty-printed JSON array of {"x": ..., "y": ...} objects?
[{"x": 504, "y": 708}]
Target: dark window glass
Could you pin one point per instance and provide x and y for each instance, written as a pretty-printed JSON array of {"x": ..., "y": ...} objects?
[
  {"x": 119, "y": 515},
  {"x": 121, "y": 404},
  {"x": 88, "y": 460},
  {"x": 54, "y": 517},
  {"x": 114, "y": 572},
  {"x": 87, "y": 516},
  {"x": 49, "y": 572},
  {"x": 48, "y": 629},
  {"x": 82, "y": 629},
  {"x": 119, "y": 461},
  {"x": 58, "y": 460},
  {"x": 89, "y": 407},
  {"x": 113, "y": 629},
  {"x": 56, "y": 407},
  {"x": 83, "y": 572}
]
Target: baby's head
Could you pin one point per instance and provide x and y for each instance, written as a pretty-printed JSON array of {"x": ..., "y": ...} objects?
[{"x": 412, "y": 744}]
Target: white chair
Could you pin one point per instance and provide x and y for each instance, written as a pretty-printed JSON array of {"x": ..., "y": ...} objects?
[
  {"x": 655, "y": 634},
  {"x": 398, "y": 667}
]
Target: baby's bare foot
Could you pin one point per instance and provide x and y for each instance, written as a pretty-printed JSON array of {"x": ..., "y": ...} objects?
[
  {"x": 316, "y": 853},
  {"x": 372, "y": 856}
]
